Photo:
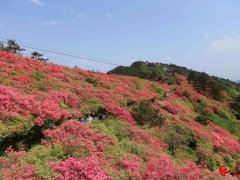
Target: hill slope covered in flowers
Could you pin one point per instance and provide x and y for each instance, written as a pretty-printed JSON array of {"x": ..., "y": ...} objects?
[{"x": 41, "y": 136}]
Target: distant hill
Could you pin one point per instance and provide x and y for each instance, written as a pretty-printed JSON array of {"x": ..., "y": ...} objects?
[
  {"x": 58, "y": 122},
  {"x": 166, "y": 73}
]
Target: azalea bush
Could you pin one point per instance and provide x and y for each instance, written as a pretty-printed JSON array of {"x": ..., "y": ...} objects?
[
  {"x": 77, "y": 139},
  {"x": 84, "y": 168},
  {"x": 164, "y": 168},
  {"x": 12, "y": 168}
]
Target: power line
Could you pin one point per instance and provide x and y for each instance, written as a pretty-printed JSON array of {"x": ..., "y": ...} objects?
[
  {"x": 66, "y": 51},
  {"x": 68, "y": 54}
]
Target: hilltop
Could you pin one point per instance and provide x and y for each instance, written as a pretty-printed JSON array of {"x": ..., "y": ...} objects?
[{"x": 143, "y": 128}]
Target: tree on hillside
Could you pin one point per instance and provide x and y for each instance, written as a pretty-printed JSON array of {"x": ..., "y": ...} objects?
[
  {"x": 203, "y": 82},
  {"x": 174, "y": 140},
  {"x": 38, "y": 56},
  {"x": 144, "y": 114},
  {"x": 216, "y": 89},
  {"x": 192, "y": 76},
  {"x": 206, "y": 84},
  {"x": 13, "y": 46},
  {"x": 235, "y": 105}
]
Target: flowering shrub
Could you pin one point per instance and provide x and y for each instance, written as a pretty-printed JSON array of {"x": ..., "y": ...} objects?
[
  {"x": 13, "y": 103},
  {"x": 50, "y": 110},
  {"x": 170, "y": 108},
  {"x": 164, "y": 168},
  {"x": 143, "y": 137},
  {"x": 179, "y": 93},
  {"x": 132, "y": 167},
  {"x": 82, "y": 169},
  {"x": 67, "y": 98},
  {"x": 39, "y": 121},
  {"x": 12, "y": 168},
  {"x": 77, "y": 138},
  {"x": 120, "y": 113}
]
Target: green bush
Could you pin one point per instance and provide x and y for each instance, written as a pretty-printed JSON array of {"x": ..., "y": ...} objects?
[
  {"x": 145, "y": 114},
  {"x": 112, "y": 127},
  {"x": 38, "y": 76},
  {"x": 202, "y": 120},
  {"x": 231, "y": 125},
  {"x": 180, "y": 137},
  {"x": 41, "y": 155},
  {"x": 91, "y": 81},
  {"x": 209, "y": 158}
]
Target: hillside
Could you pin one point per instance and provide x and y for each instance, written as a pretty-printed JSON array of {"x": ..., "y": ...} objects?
[{"x": 142, "y": 129}]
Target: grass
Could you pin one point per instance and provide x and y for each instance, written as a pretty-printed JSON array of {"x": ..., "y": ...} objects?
[{"x": 231, "y": 125}]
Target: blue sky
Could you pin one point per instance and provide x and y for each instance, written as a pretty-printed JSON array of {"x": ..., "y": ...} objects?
[{"x": 200, "y": 34}]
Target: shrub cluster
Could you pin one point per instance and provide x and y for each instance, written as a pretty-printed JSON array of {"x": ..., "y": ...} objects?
[{"x": 144, "y": 113}]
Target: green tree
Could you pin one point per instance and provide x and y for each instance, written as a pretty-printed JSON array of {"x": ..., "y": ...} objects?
[
  {"x": 235, "y": 105},
  {"x": 174, "y": 140},
  {"x": 13, "y": 46},
  {"x": 144, "y": 114},
  {"x": 216, "y": 89},
  {"x": 203, "y": 82},
  {"x": 38, "y": 56}
]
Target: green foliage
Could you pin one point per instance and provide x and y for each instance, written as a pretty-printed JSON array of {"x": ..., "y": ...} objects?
[
  {"x": 11, "y": 46},
  {"x": 151, "y": 71},
  {"x": 63, "y": 105},
  {"x": 158, "y": 89},
  {"x": 186, "y": 104},
  {"x": 41, "y": 155},
  {"x": 133, "y": 148},
  {"x": 144, "y": 114},
  {"x": 200, "y": 106},
  {"x": 120, "y": 131},
  {"x": 173, "y": 140},
  {"x": 91, "y": 81},
  {"x": 202, "y": 102},
  {"x": 38, "y": 76},
  {"x": 112, "y": 127},
  {"x": 206, "y": 84},
  {"x": 229, "y": 161},
  {"x": 91, "y": 106},
  {"x": 38, "y": 56},
  {"x": 180, "y": 137},
  {"x": 14, "y": 126},
  {"x": 210, "y": 159},
  {"x": 231, "y": 125},
  {"x": 202, "y": 119},
  {"x": 235, "y": 105},
  {"x": 138, "y": 87}
]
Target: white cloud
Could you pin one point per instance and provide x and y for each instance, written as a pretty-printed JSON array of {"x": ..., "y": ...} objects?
[
  {"x": 109, "y": 16},
  {"x": 37, "y": 2},
  {"x": 226, "y": 45},
  {"x": 222, "y": 57},
  {"x": 50, "y": 23}
]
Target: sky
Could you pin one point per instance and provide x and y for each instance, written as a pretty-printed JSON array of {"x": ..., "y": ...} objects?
[{"x": 203, "y": 35}]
